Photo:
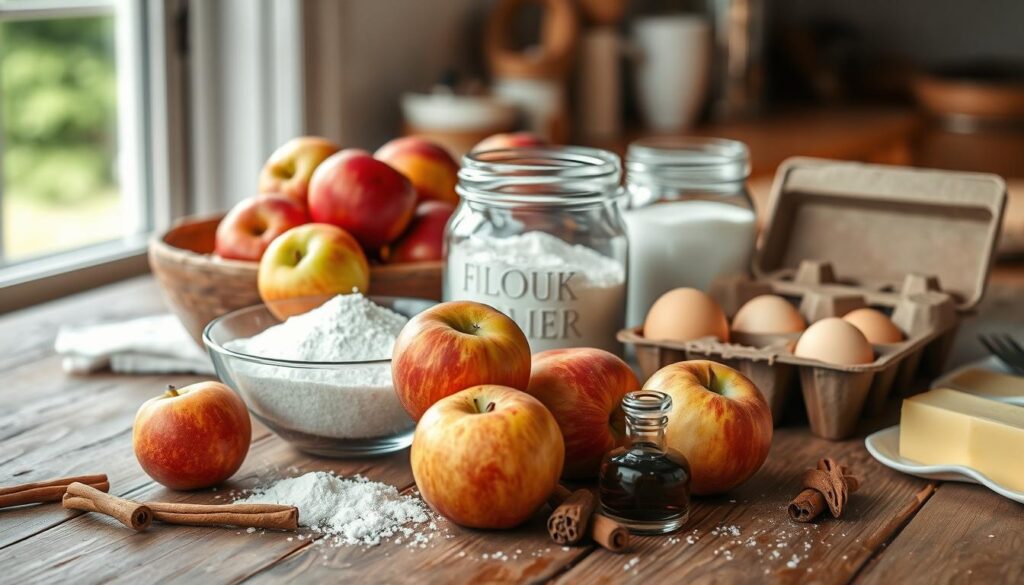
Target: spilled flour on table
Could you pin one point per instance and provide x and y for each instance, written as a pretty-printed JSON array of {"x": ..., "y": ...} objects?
[{"x": 348, "y": 511}]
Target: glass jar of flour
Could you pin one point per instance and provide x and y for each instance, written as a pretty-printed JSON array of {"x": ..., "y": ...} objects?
[
  {"x": 539, "y": 235},
  {"x": 689, "y": 215}
]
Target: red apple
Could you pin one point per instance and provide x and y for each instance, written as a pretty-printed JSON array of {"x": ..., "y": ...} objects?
[
  {"x": 311, "y": 260},
  {"x": 509, "y": 140},
  {"x": 433, "y": 172},
  {"x": 487, "y": 457},
  {"x": 583, "y": 388},
  {"x": 455, "y": 345},
  {"x": 194, "y": 437},
  {"x": 363, "y": 196},
  {"x": 250, "y": 226},
  {"x": 720, "y": 421},
  {"x": 289, "y": 168},
  {"x": 424, "y": 240}
]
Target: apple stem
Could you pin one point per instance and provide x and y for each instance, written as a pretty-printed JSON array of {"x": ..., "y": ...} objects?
[
  {"x": 481, "y": 408},
  {"x": 171, "y": 391}
]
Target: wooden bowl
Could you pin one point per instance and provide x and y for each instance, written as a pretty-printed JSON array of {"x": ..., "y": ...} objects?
[{"x": 199, "y": 286}]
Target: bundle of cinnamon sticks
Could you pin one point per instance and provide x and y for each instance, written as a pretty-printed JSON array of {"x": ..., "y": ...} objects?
[{"x": 88, "y": 493}]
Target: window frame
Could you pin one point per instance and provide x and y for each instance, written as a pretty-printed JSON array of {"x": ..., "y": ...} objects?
[{"x": 151, "y": 121}]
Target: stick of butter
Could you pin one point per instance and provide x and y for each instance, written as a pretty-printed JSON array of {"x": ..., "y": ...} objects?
[
  {"x": 987, "y": 383},
  {"x": 947, "y": 427}
]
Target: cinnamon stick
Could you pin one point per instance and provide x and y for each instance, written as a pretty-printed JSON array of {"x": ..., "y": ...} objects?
[
  {"x": 48, "y": 491},
  {"x": 826, "y": 487},
  {"x": 609, "y": 533},
  {"x": 604, "y": 531},
  {"x": 568, "y": 523},
  {"x": 807, "y": 505},
  {"x": 272, "y": 516},
  {"x": 132, "y": 514},
  {"x": 558, "y": 496}
]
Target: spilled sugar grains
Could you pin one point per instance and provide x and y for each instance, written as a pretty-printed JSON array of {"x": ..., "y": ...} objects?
[{"x": 350, "y": 511}]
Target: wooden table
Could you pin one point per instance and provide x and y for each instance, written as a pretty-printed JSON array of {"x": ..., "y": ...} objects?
[{"x": 898, "y": 528}]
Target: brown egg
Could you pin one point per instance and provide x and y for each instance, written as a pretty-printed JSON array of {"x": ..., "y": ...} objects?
[
  {"x": 683, "y": 314},
  {"x": 768, "y": 314},
  {"x": 875, "y": 325},
  {"x": 835, "y": 341}
]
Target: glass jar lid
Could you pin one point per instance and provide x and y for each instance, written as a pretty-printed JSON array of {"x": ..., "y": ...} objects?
[
  {"x": 686, "y": 162},
  {"x": 540, "y": 176}
]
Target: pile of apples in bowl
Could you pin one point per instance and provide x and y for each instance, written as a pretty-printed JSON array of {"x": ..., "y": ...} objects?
[
  {"x": 344, "y": 208},
  {"x": 325, "y": 220}
]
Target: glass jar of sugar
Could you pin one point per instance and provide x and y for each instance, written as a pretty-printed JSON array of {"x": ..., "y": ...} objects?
[
  {"x": 538, "y": 234},
  {"x": 690, "y": 218}
]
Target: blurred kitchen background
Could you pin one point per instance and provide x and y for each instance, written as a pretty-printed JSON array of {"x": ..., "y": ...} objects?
[{"x": 120, "y": 116}]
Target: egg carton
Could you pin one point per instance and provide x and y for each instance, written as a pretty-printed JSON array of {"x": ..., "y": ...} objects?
[
  {"x": 835, "y": 396},
  {"x": 841, "y": 236}
]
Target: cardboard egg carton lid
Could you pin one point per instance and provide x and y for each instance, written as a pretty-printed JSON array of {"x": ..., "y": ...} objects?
[{"x": 877, "y": 224}]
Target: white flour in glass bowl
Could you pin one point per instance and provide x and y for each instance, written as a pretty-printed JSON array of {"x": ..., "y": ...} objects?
[{"x": 353, "y": 402}]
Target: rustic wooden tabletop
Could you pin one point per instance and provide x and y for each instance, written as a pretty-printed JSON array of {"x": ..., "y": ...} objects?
[{"x": 897, "y": 529}]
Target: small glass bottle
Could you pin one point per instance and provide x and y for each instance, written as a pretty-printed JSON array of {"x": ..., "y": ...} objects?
[{"x": 644, "y": 485}]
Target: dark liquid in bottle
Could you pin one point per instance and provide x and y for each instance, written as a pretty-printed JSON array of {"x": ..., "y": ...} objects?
[{"x": 647, "y": 489}]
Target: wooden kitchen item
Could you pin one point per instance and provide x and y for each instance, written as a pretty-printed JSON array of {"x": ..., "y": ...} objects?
[
  {"x": 199, "y": 286},
  {"x": 534, "y": 77},
  {"x": 916, "y": 244}
]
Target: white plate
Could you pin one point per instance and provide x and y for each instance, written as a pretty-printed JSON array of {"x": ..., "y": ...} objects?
[
  {"x": 990, "y": 363},
  {"x": 884, "y": 446}
]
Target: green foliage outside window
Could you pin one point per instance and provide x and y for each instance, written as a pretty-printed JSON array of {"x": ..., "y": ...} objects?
[{"x": 59, "y": 100}]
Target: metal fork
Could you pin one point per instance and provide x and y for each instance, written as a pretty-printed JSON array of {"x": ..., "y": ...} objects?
[{"x": 1006, "y": 349}]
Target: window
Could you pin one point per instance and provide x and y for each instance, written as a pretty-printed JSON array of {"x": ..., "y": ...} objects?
[{"x": 81, "y": 82}]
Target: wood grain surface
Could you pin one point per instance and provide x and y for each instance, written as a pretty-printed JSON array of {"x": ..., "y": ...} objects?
[{"x": 898, "y": 529}]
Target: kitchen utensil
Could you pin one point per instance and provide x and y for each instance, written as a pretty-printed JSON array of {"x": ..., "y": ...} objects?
[
  {"x": 1006, "y": 348},
  {"x": 534, "y": 77},
  {"x": 884, "y": 446}
]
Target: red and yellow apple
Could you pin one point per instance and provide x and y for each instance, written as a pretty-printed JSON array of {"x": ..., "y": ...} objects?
[
  {"x": 194, "y": 437},
  {"x": 424, "y": 240},
  {"x": 455, "y": 345},
  {"x": 250, "y": 226},
  {"x": 487, "y": 457},
  {"x": 509, "y": 140},
  {"x": 311, "y": 260},
  {"x": 289, "y": 168},
  {"x": 583, "y": 388},
  {"x": 362, "y": 195},
  {"x": 432, "y": 171},
  {"x": 720, "y": 421}
]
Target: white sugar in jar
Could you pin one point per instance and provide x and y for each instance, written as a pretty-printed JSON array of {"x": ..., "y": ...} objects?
[
  {"x": 690, "y": 218},
  {"x": 538, "y": 235}
]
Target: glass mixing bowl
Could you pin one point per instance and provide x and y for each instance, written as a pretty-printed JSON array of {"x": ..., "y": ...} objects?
[{"x": 324, "y": 408}]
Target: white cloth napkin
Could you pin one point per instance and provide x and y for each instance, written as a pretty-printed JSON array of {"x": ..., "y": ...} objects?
[{"x": 148, "y": 345}]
